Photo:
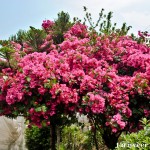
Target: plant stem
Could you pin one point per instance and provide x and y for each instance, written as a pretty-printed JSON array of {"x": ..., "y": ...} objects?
[
  {"x": 53, "y": 137},
  {"x": 94, "y": 136}
]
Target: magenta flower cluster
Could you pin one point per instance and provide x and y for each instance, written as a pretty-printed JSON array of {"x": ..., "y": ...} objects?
[
  {"x": 47, "y": 24},
  {"x": 86, "y": 73}
]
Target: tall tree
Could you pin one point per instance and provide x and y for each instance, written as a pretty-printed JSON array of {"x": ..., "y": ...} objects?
[{"x": 104, "y": 75}]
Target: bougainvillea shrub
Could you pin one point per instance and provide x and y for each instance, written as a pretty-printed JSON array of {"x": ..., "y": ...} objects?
[{"x": 106, "y": 77}]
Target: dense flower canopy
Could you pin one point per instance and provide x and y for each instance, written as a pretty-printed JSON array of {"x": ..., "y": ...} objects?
[{"x": 101, "y": 75}]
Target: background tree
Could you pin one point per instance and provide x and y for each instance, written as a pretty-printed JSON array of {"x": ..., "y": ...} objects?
[
  {"x": 62, "y": 24},
  {"x": 104, "y": 23}
]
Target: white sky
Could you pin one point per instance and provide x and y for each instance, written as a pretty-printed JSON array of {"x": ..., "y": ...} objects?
[{"x": 20, "y": 14}]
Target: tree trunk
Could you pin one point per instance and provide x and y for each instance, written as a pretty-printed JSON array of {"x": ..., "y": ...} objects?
[
  {"x": 110, "y": 139},
  {"x": 58, "y": 136},
  {"x": 95, "y": 138},
  {"x": 53, "y": 137}
]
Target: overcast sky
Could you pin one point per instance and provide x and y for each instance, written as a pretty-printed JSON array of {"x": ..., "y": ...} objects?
[{"x": 20, "y": 14}]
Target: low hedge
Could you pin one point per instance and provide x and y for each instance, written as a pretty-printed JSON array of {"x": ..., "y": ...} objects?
[{"x": 37, "y": 138}]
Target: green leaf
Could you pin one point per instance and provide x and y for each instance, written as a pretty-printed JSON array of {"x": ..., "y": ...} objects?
[
  {"x": 28, "y": 79},
  {"x": 85, "y": 98},
  {"x": 44, "y": 108},
  {"x": 38, "y": 109},
  {"x": 50, "y": 83},
  {"x": 44, "y": 124},
  {"x": 15, "y": 113},
  {"x": 145, "y": 85},
  {"x": 6, "y": 50}
]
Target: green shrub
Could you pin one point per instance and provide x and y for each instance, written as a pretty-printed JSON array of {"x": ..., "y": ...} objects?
[
  {"x": 73, "y": 137},
  {"x": 76, "y": 138},
  {"x": 136, "y": 141},
  {"x": 37, "y": 138}
]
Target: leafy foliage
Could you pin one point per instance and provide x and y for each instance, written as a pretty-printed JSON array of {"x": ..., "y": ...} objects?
[
  {"x": 104, "y": 23},
  {"x": 33, "y": 37},
  {"x": 138, "y": 140},
  {"x": 72, "y": 137},
  {"x": 62, "y": 24},
  {"x": 37, "y": 138}
]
